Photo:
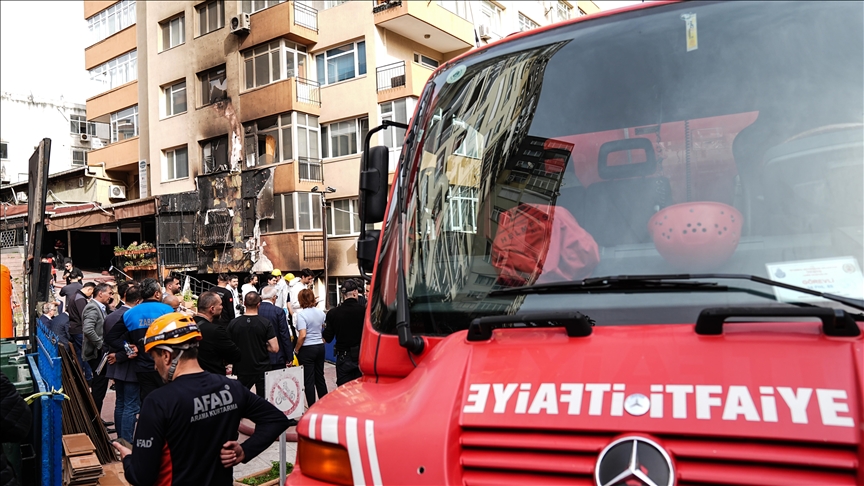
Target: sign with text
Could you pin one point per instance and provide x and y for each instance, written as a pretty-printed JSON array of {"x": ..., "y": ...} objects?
[
  {"x": 839, "y": 276},
  {"x": 143, "y": 186},
  {"x": 285, "y": 389}
]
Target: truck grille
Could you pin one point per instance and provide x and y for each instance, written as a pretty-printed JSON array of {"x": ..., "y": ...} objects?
[{"x": 502, "y": 457}]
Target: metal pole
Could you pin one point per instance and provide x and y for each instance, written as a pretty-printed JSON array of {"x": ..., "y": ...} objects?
[
  {"x": 282, "y": 458},
  {"x": 326, "y": 248}
]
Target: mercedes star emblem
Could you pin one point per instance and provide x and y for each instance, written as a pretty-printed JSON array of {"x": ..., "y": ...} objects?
[
  {"x": 637, "y": 404},
  {"x": 634, "y": 459}
]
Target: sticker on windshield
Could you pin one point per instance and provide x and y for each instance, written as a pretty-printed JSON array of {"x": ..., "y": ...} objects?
[
  {"x": 839, "y": 276},
  {"x": 456, "y": 74},
  {"x": 690, "y": 28}
]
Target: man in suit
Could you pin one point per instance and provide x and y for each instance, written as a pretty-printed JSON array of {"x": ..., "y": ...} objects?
[
  {"x": 76, "y": 336},
  {"x": 276, "y": 316},
  {"x": 121, "y": 368},
  {"x": 93, "y": 328},
  {"x": 54, "y": 322},
  {"x": 216, "y": 349}
]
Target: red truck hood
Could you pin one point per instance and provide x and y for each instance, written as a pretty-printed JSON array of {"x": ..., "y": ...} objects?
[{"x": 753, "y": 381}]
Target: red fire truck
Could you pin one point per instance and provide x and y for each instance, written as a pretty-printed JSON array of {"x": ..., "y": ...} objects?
[{"x": 624, "y": 249}]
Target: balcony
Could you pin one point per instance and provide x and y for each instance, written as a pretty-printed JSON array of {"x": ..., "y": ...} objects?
[
  {"x": 103, "y": 104},
  {"x": 295, "y": 250},
  {"x": 399, "y": 80},
  {"x": 121, "y": 156},
  {"x": 291, "y": 20},
  {"x": 111, "y": 47},
  {"x": 292, "y": 94},
  {"x": 446, "y": 31},
  {"x": 297, "y": 176}
]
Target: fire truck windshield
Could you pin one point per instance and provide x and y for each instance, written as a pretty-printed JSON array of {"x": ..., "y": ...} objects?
[{"x": 684, "y": 138}]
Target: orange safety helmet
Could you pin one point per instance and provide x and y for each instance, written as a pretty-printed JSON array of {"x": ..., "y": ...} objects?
[{"x": 170, "y": 331}]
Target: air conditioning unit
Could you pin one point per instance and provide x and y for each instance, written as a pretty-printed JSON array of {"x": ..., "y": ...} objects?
[
  {"x": 116, "y": 192},
  {"x": 22, "y": 196},
  {"x": 240, "y": 24},
  {"x": 84, "y": 137},
  {"x": 483, "y": 32}
]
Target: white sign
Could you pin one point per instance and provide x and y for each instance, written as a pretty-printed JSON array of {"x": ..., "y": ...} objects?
[
  {"x": 285, "y": 390},
  {"x": 839, "y": 276},
  {"x": 144, "y": 188}
]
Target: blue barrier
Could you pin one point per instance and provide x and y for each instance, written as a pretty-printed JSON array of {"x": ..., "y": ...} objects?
[{"x": 46, "y": 370}]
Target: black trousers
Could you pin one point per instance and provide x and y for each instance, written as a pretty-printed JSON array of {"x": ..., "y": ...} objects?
[
  {"x": 347, "y": 368},
  {"x": 99, "y": 383},
  {"x": 256, "y": 379},
  {"x": 148, "y": 381},
  {"x": 312, "y": 359}
]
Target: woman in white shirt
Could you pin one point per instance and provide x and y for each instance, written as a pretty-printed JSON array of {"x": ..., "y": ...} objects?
[{"x": 310, "y": 345}]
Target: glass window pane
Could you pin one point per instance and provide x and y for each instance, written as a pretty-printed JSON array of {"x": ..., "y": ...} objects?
[
  {"x": 289, "y": 63},
  {"x": 361, "y": 57},
  {"x": 276, "y": 223},
  {"x": 325, "y": 152},
  {"x": 182, "y": 163},
  {"x": 170, "y": 165},
  {"x": 340, "y": 50},
  {"x": 302, "y": 142},
  {"x": 202, "y": 21},
  {"x": 287, "y": 149},
  {"x": 288, "y": 199},
  {"x": 250, "y": 74},
  {"x": 262, "y": 70},
  {"x": 166, "y": 36},
  {"x": 213, "y": 16},
  {"x": 314, "y": 153},
  {"x": 175, "y": 33},
  {"x": 277, "y": 73},
  {"x": 304, "y": 218},
  {"x": 355, "y": 217},
  {"x": 180, "y": 98},
  {"x": 316, "y": 211},
  {"x": 319, "y": 60}
]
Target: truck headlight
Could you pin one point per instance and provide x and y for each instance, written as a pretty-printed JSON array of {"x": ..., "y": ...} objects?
[{"x": 324, "y": 461}]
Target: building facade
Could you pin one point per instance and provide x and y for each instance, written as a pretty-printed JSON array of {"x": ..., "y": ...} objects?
[{"x": 237, "y": 118}]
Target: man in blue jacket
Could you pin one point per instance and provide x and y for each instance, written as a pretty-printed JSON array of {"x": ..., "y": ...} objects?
[
  {"x": 121, "y": 367},
  {"x": 276, "y": 316}
]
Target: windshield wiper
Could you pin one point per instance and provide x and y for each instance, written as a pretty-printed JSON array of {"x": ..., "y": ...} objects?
[{"x": 664, "y": 282}]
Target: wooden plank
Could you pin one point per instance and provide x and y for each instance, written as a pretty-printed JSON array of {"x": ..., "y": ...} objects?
[{"x": 77, "y": 444}]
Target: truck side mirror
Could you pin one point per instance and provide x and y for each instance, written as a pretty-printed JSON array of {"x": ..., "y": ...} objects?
[{"x": 373, "y": 185}]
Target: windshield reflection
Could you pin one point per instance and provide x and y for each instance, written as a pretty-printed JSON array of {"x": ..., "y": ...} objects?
[{"x": 571, "y": 156}]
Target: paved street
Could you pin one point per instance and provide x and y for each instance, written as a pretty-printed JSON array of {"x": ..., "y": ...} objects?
[{"x": 264, "y": 460}]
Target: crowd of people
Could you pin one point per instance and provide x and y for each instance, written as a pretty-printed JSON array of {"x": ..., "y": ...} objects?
[{"x": 140, "y": 336}]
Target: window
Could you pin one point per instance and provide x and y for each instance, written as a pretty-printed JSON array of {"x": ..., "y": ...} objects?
[
  {"x": 425, "y": 61},
  {"x": 264, "y": 64},
  {"x": 341, "y": 63},
  {"x": 111, "y": 20},
  {"x": 276, "y": 140},
  {"x": 124, "y": 124},
  {"x": 308, "y": 211},
  {"x": 333, "y": 3},
  {"x": 283, "y": 214},
  {"x": 79, "y": 157},
  {"x": 214, "y": 155},
  {"x": 4, "y": 150},
  {"x": 458, "y": 7},
  {"x": 562, "y": 11},
  {"x": 526, "y": 24},
  {"x": 211, "y": 16},
  {"x": 214, "y": 85},
  {"x": 252, "y": 6},
  {"x": 80, "y": 125},
  {"x": 175, "y": 164},
  {"x": 343, "y": 138},
  {"x": 399, "y": 111},
  {"x": 343, "y": 218},
  {"x": 173, "y": 32},
  {"x": 175, "y": 99},
  {"x": 463, "y": 209},
  {"x": 116, "y": 72},
  {"x": 490, "y": 15}
]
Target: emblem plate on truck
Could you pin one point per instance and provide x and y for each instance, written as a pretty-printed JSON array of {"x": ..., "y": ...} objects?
[{"x": 630, "y": 458}]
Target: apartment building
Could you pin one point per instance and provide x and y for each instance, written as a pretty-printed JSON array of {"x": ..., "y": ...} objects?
[{"x": 240, "y": 123}]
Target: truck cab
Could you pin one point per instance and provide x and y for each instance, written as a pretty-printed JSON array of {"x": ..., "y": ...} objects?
[{"x": 625, "y": 249}]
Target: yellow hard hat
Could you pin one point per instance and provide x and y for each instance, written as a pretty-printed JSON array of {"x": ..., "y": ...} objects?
[
  {"x": 171, "y": 329},
  {"x": 289, "y": 277},
  {"x": 276, "y": 272}
]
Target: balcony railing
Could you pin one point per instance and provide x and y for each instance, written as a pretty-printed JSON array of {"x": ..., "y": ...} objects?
[
  {"x": 313, "y": 248},
  {"x": 308, "y": 91},
  {"x": 391, "y": 76},
  {"x": 305, "y": 16},
  {"x": 310, "y": 169},
  {"x": 382, "y": 5},
  {"x": 178, "y": 255}
]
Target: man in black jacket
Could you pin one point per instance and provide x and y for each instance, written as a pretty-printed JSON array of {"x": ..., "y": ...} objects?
[
  {"x": 227, "y": 297},
  {"x": 216, "y": 349},
  {"x": 15, "y": 420},
  {"x": 76, "y": 324},
  {"x": 345, "y": 323}
]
